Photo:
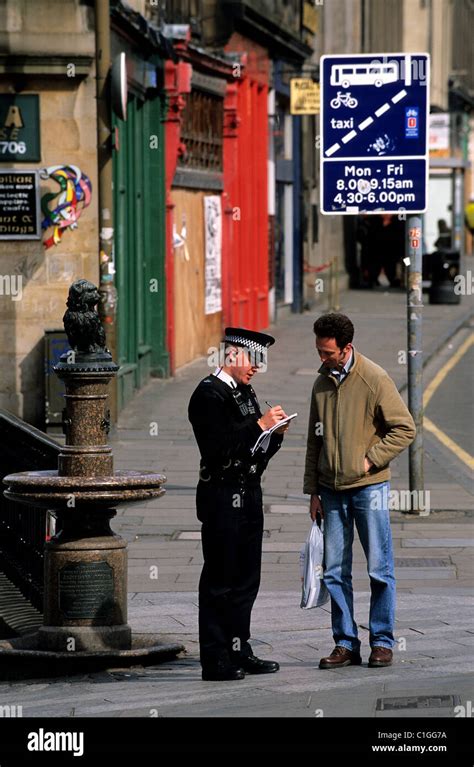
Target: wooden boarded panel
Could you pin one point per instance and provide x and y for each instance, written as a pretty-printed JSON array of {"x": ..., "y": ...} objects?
[{"x": 195, "y": 331}]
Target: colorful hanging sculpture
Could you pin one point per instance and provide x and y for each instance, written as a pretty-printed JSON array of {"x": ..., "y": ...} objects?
[{"x": 75, "y": 192}]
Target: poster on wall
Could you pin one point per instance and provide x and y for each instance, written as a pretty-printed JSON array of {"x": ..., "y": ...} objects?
[{"x": 213, "y": 245}]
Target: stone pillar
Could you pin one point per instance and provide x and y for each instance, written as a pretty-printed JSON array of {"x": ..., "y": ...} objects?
[
  {"x": 86, "y": 562},
  {"x": 85, "y": 604},
  {"x": 85, "y": 586}
]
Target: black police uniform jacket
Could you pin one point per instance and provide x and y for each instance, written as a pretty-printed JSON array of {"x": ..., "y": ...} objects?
[{"x": 224, "y": 422}]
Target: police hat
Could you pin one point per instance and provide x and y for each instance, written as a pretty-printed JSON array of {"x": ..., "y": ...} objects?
[{"x": 257, "y": 343}]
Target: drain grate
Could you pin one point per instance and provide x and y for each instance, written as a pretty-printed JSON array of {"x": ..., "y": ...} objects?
[
  {"x": 418, "y": 702},
  {"x": 421, "y": 562}
]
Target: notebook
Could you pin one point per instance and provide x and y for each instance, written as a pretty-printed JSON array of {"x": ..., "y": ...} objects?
[{"x": 264, "y": 439}]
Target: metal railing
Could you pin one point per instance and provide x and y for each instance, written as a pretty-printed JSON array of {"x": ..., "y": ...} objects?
[{"x": 23, "y": 527}]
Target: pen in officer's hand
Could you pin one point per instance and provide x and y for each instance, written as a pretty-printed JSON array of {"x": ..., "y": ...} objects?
[{"x": 270, "y": 406}]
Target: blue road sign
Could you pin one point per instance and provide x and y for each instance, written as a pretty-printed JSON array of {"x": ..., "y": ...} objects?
[{"x": 374, "y": 133}]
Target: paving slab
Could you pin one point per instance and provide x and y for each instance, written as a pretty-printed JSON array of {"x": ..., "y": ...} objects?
[{"x": 434, "y": 601}]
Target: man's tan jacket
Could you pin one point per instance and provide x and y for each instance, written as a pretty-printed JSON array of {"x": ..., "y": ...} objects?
[{"x": 364, "y": 416}]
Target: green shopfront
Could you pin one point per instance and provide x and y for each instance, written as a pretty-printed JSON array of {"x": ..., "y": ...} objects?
[{"x": 139, "y": 216}]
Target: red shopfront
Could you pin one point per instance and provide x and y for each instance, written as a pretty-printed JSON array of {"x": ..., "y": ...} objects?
[
  {"x": 196, "y": 87},
  {"x": 246, "y": 259},
  {"x": 240, "y": 181}
]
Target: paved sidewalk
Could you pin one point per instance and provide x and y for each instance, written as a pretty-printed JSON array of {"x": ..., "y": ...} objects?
[{"x": 433, "y": 661}]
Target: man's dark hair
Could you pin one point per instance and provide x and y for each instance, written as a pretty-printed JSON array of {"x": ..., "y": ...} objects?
[{"x": 336, "y": 326}]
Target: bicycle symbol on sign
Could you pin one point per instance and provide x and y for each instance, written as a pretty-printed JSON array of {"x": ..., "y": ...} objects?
[{"x": 344, "y": 99}]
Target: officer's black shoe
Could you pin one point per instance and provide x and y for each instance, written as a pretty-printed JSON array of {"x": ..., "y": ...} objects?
[
  {"x": 253, "y": 665},
  {"x": 222, "y": 672}
]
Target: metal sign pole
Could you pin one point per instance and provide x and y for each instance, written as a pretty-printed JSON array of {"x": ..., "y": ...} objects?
[{"x": 414, "y": 233}]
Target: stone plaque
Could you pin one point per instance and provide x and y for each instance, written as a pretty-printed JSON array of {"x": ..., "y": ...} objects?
[
  {"x": 19, "y": 128},
  {"x": 86, "y": 591},
  {"x": 19, "y": 204}
]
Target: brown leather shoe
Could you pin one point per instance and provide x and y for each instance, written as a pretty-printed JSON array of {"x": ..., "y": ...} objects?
[
  {"x": 341, "y": 657},
  {"x": 380, "y": 656}
]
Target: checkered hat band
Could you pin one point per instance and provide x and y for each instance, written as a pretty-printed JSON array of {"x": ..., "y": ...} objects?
[{"x": 252, "y": 345}]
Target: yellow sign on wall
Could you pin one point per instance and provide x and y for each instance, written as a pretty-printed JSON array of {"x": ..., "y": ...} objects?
[{"x": 304, "y": 96}]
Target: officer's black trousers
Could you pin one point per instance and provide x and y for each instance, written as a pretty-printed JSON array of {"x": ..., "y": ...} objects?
[{"x": 232, "y": 529}]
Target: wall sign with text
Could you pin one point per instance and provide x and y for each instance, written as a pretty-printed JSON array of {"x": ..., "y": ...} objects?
[
  {"x": 374, "y": 133},
  {"x": 19, "y": 205},
  {"x": 19, "y": 128}
]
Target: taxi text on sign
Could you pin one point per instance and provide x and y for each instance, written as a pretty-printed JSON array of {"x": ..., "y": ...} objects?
[{"x": 374, "y": 133}]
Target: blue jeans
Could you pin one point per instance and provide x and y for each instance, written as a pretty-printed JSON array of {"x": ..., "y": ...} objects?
[{"x": 372, "y": 518}]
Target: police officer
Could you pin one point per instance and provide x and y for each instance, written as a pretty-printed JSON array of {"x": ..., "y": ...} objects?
[{"x": 227, "y": 422}]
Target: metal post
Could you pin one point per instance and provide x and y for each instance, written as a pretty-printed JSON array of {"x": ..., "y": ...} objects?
[
  {"x": 107, "y": 290},
  {"x": 336, "y": 283},
  {"x": 414, "y": 232},
  {"x": 330, "y": 292}
]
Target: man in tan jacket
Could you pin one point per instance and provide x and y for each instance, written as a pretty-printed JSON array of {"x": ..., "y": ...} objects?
[{"x": 357, "y": 424}]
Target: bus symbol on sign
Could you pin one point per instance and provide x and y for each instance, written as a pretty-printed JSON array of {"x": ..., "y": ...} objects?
[{"x": 372, "y": 73}]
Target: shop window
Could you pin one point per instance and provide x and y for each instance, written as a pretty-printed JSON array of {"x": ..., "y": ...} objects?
[{"x": 201, "y": 132}]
